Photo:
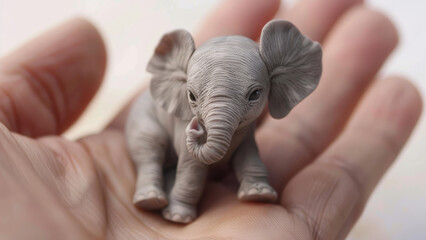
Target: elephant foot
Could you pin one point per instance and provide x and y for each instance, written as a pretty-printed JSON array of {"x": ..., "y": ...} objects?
[
  {"x": 180, "y": 212},
  {"x": 258, "y": 192},
  {"x": 150, "y": 198}
]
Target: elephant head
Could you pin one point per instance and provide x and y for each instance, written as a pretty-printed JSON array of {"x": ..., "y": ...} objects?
[{"x": 224, "y": 84}]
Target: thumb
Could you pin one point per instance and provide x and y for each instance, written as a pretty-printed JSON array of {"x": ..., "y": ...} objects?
[{"x": 46, "y": 84}]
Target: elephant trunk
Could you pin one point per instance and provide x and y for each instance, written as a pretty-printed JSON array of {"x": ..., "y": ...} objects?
[{"x": 220, "y": 127}]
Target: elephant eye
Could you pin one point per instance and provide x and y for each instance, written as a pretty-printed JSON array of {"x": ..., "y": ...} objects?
[
  {"x": 191, "y": 96},
  {"x": 254, "y": 95}
]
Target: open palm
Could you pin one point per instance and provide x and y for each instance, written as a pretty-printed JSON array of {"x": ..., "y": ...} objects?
[{"x": 324, "y": 159}]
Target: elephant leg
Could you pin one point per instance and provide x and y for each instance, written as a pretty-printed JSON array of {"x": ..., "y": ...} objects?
[
  {"x": 188, "y": 187},
  {"x": 253, "y": 178},
  {"x": 252, "y": 174},
  {"x": 149, "y": 186},
  {"x": 147, "y": 148}
]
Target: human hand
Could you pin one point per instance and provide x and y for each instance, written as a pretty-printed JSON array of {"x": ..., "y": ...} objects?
[{"x": 324, "y": 159}]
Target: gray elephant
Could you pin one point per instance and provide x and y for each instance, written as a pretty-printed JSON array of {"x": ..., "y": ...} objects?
[{"x": 202, "y": 106}]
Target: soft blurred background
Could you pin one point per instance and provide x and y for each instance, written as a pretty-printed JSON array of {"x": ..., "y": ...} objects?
[{"x": 131, "y": 29}]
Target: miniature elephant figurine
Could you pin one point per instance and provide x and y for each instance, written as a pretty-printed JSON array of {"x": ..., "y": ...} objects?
[{"x": 202, "y": 106}]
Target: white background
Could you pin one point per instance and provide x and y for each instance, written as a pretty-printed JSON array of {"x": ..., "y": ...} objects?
[{"x": 131, "y": 29}]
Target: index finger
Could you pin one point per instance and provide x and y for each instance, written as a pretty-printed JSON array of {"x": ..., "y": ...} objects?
[{"x": 238, "y": 17}]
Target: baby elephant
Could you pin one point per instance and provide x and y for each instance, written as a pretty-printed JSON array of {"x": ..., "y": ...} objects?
[{"x": 202, "y": 106}]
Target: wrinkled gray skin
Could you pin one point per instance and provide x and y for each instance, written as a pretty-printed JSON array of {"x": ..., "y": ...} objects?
[{"x": 203, "y": 105}]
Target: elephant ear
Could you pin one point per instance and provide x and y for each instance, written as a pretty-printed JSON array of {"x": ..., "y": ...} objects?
[
  {"x": 169, "y": 66},
  {"x": 294, "y": 63}
]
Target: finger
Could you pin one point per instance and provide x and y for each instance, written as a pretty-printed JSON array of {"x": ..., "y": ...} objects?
[
  {"x": 330, "y": 194},
  {"x": 46, "y": 84},
  {"x": 323, "y": 15},
  {"x": 353, "y": 54},
  {"x": 315, "y": 18},
  {"x": 238, "y": 17}
]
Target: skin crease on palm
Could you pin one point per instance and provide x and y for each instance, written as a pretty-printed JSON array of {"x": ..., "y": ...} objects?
[{"x": 324, "y": 158}]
